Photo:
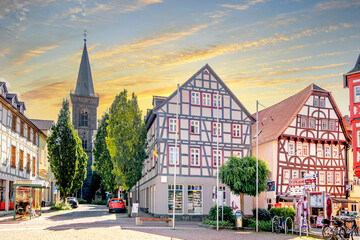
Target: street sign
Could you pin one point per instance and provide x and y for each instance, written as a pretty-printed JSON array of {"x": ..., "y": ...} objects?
[{"x": 271, "y": 186}]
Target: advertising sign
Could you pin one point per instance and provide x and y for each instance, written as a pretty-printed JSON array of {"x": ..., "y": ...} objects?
[
  {"x": 135, "y": 208},
  {"x": 297, "y": 182},
  {"x": 310, "y": 183},
  {"x": 296, "y": 190},
  {"x": 235, "y": 202},
  {"x": 316, "y": 199}
]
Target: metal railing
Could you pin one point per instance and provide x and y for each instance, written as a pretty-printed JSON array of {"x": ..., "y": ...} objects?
[{"x": 292, "y": 225}]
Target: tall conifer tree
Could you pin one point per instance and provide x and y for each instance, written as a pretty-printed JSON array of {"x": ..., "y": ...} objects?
[{"x": 66, "y": 155}]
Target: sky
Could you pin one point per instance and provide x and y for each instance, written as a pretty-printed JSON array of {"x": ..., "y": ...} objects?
[{"x": 264, "y": 50}]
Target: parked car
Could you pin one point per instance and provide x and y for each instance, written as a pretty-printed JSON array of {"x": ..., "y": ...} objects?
[
  {"x": 73, "y": 202},
  {"x": 116, "y": 205}
]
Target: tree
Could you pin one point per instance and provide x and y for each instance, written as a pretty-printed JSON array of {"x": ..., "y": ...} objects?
[
  {"x": 126, "y": 141},
  {"x": 102, "y": 159},
  {"x": 65, "y": 153},
  {"x": 240, "y": 176}
]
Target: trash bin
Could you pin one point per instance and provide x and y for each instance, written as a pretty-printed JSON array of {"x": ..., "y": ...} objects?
[{"x": 239, "y": 218}]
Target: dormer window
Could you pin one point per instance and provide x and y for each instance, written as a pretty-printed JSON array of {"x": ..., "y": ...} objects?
[{"x": 84, "y": 119}]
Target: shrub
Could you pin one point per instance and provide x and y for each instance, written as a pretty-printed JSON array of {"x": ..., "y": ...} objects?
[
  {"x": 207, "y": 221},
  {"x": 61, "y": 206},
  {"x": 101, "y": 202},
  {"x": 263, "y": 214},
  {"x": 264, "y": 225},
  {"x": 81, "y": 201},
  {"x": 283, "y": 212},
  {"x": 228, "y": 214}
]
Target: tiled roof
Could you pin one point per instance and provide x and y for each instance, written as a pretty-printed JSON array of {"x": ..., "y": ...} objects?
[{"x": 42, "y": 124}]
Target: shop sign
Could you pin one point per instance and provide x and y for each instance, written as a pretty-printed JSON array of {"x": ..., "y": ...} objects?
[
  {"x": 296, "y": 190},
  {"x": 310, "y": 183},
  {"x": 310, "y": 176},
  {"x": 316, "y": 199},
  {"x": 297, "y": 182},
  {"x": 319, "y": 221}
]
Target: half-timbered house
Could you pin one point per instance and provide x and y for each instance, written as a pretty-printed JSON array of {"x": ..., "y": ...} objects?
[
  {"x": 202, "y": 100},
  {"x": 304, "y": 134}
]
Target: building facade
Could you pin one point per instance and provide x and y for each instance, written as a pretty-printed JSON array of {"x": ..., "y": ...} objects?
[
  {"x": 304, "y": 134},
  {"x": 208, "y": 113},
  {"x": 84, "y": 115},
  {"x": 19, "y": 141}
]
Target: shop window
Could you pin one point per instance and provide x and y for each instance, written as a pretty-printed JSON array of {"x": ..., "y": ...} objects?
[
  {"x": 195, "y": 127},
  {"x": 178, "y": 198},
  {"x": 195, "y": 98},
  {"x": 236, "y": 130},
  {"x": 291, "y": 149},
  {"x": 217, "y": 100},
  {"x": 237, "y": 154},
  {"x": 195, "y": 199},
  {"x": 217, "y": 129},
  {"x": 217, "y": 158},
  {"x": 173, "y": 125},
  {"x": 330, "y": 178},
  {"x": 195, "y": 157},
  {"x": 206, "y": 99},
  {"x": 174, "y": 156},
  {"x": 13, "y": 157},
  {"x": 28, "y": 163},
  {"x": 21, "y": 160}
]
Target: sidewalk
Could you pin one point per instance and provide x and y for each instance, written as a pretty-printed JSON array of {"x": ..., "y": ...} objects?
[{"x": 10, "y": 214}]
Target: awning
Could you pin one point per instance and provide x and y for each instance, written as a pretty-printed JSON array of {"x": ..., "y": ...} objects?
[
  {"x": 343, "y": 200},
  {"x": 32, "y": 183},
  {"x": 289, "y": 198}
]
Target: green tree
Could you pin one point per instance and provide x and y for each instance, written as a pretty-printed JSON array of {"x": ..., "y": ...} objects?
[
  {"x": 102, "y": 159},
  {"x": 240, "y": 176},
  {"x": 126, "y": 141},
  {"x": 65, "y": 153}
]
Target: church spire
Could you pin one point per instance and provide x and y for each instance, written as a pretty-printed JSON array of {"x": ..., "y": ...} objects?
[{"x": 84, "y": 84}]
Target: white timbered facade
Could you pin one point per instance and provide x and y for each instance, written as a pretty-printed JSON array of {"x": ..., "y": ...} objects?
[
  {"x": 203, "y": 99},
  {"x": 311, "y": 138}
]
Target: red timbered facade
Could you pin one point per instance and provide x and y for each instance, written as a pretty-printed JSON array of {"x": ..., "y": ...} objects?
[{"x": 307, "y": 134}]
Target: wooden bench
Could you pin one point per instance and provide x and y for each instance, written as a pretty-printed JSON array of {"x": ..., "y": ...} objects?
[{"x": 139, "y": 220}]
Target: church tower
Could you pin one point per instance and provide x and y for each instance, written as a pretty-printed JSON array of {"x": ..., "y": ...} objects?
[{"x": 84, "y": 114}]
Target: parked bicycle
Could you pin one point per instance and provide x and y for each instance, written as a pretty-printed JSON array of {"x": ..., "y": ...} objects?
[
  {"x": 280, "y": 225},
  {"x": 332, "y": 229},
  {"x": 345, "y": 232}
]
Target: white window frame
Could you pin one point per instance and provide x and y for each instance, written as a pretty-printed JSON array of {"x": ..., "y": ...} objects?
[
  {"x": 195, "y": 98},
  {"x": 312, "y": 123},
  {"x": 216, "y": 129},
  {"x": 238, "y": 154},
  {"x": 195, "y": 127},
  {"x": 335, "y": 151},
  {"x": 330, "y": 176},
  {"x": 305, "y": 149},
  {"x": 316, "y": 101},
  {"x": 173, "y": 125},
  {"x": 337, "y": 178},
  {"x": 321, "y": 177},
  {"x": 217, "y": 156},
  {"x": 327, "y": 150},
  {"x": 322, "y": 100},
  {"x": 331, "y": 125},
  {"x": 219, "y": 101},
  {"x": 195, "y": 154},
  {"x": 294, "y": 174},
  {"x": 298, "y": 148},
  {"x": 319, "y": 150},
  {"x": 291, "y": 150},
  {"x": 206, "y": 99},
  {"x": 179, "y": 187},
  {"x": 324, "y": 125},
  {"x": 303, "y": 122},
  {"x": 195, "y": 188},
  {"x": 356, "y": 93},
  {"x": 286, "y": 176},
  {"x": 172, "y": 152},
  {"x": 236, "y": 130}
]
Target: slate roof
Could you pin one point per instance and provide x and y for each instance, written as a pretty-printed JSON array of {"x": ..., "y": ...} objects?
[
  {"x": 355, "y": 70},
  {"x": 274, "y": 120},
  {"x": 84, "y": 84},
  {"x": 42, "y": 124}
]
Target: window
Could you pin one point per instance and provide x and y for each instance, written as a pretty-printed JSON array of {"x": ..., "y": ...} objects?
[
  {"x": 217, "y": 129},
  {"x": 194, "y": 127},
  {"x": 173, "y": 125},
  {"x": 237, "y": 154},
  {"x": 332, "y": 125},
  {"x": 236, "y": 130},
  {"x": 34, "y": 138},
  {"x": 291, "y": 149},
  {"x": 353, "y": 207},
  {"x": 337, "y": 178},
  {"x": 21, "y": 160},
  {"x": 14, "y": 119},
  {"x": 327, "y": 151},
  {"x": 312, "y": 149},
  {"x": 316, "y": 101},
  {"x": 84, "y": 144},
  {"x": 217, "y": 158},
  {"x": 286, "y": 175},
  {"x": 22, "y": 128},
  {"x": 195, "y": 98},
  {"x": 303, "y": 122},
  {"x": 33, "y": 166},
  {"x": 319, "y": 152},
  {"x": 178, "y": 198},
  {"x": 195, "y": 199},
  {"x": 321, "y": 178},
  {"x": 357, "y": 94},
  {"x": 13, "y": 157},
  {"x": 322, "y": 102},
  {"x": 195, "y": 157},
  {"x": 174, "y": 156},
  {"x": 335, "y": 151},
  {"x": 28, "y": 133},
  {"x": 305, "y": 149},
  {"x": 324, "y": 125},
  {"x": 329, "y": 177},
  {"x": 84, "y": 116},
  {"x": 206, "y": 99},
  {"x": 302, "y": 174},
  {"x": 28, "y": 163},
  {"x": 295, "y": 174},
  {"x": 312, "y": 123},
  {"x": 298, "y": 148},
  {"x": 217, "y": 101}
]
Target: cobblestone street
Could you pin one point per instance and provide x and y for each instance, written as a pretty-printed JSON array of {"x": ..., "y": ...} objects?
[{"x": 94, "y": 222}]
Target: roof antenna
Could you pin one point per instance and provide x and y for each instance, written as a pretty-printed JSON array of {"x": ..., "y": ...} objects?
[{"x": 85, "y": 35}]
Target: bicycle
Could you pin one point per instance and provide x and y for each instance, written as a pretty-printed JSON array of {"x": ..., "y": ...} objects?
[
  {"x": 332, "y": 229},
  {"x": 349, "y": 233},
  {"x": 280, "y": 225}
]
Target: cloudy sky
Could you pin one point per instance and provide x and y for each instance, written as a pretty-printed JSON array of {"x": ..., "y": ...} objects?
[{"x": 264, "y": 50}]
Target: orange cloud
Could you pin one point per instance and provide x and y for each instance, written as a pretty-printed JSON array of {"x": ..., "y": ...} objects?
[
  {"x": 34, "y": 53},
  {"x": 242, "y": 7}
]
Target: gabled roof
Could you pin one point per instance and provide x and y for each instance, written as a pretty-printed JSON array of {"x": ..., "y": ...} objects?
[
  {"x": 22, "y": 104},
  {"x": 84, "y": 84},
  {"x": 42, "y": 124},
  {"x": 3, "y": 84},
  {"x": 221, "y": 83},
  {"x": 355, "y": 70},
  {"x": 10, "y": 96},
  {"x": 274, "y": 120}
]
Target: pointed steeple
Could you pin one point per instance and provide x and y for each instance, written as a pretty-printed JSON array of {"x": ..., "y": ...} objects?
[
  {"x": 84, "y": 84},
  {"x": 357, "y": 66}
]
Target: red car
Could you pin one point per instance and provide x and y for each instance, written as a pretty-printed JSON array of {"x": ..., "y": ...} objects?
[{"x": 116, "y": 205}]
